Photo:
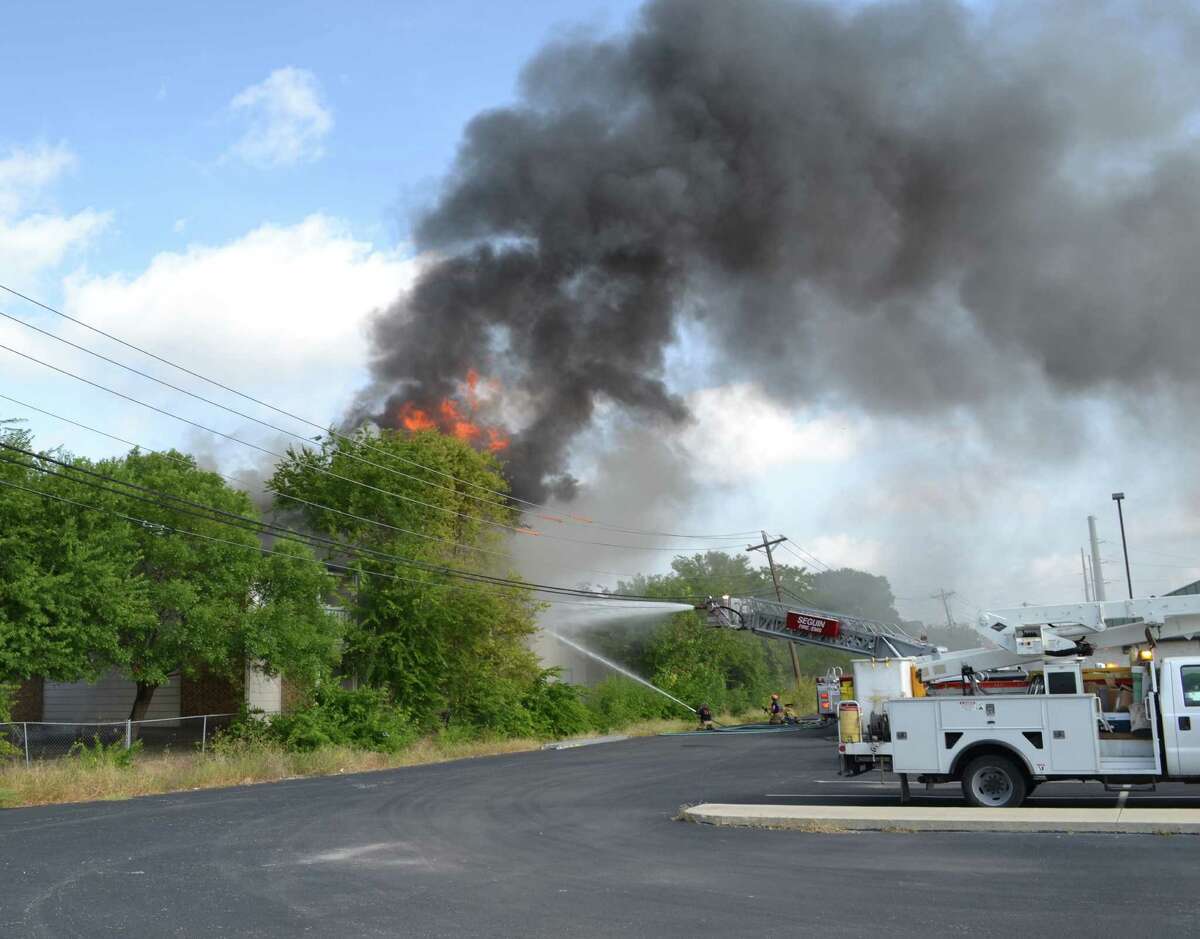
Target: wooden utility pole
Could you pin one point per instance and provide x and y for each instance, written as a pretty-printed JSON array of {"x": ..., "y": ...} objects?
[
  {"x": 945, "y": 595},
  {"x": 766, "y": 546}
]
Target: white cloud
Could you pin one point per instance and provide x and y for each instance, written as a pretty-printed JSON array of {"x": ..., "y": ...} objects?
[
  {"x": 287, "y": 119},
  {"x": 25, "y": 173},
  {"x": 740, "y": 434},
  {"x": 279, "y": 313},
  {"x": 34, "y": 241}
]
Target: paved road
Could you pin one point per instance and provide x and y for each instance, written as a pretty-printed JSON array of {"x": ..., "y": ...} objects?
[{"x": 573, "y": 843}]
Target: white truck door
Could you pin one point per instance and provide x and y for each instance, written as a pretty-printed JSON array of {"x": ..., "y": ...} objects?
[{"x": 1182, "y": 728}]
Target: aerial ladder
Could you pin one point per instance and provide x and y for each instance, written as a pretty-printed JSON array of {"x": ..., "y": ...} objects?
[{"x": 804, "y": 624}]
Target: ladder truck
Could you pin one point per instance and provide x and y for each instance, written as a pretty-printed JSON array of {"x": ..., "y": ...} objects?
[{"x": 1033, "y": 706}]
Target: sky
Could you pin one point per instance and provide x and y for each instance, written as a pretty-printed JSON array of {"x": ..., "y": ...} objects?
[{"x": 235, "y": 187}]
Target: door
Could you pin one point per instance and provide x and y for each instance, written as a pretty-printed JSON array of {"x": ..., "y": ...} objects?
[{"x": 1183, "y": 726}]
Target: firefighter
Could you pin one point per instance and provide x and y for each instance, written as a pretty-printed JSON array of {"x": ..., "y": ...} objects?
[
  {"x": 706, "y": 719},
  {"x": 775, "y": 710}
]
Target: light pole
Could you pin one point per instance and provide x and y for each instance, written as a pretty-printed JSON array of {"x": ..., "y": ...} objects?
[{"x": 1117, "y": 497}]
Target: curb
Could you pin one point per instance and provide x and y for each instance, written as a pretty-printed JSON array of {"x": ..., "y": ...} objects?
[
  {"x": 572, "y": 744},
  {"x": 835, "y": 818}
]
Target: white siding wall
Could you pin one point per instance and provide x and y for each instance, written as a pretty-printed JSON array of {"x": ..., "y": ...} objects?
[
  {"x": 263, "y": 692},
  {"x": 109, "y": 699}
]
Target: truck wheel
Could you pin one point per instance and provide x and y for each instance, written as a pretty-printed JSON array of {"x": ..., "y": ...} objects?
[{"x": 993, "y": 781}]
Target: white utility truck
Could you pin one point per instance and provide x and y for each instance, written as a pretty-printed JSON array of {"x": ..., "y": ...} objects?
[{"x": 1037, "y": 706}]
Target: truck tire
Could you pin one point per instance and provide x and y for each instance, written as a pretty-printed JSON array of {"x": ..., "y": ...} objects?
[{"x": 993, "y": 781}]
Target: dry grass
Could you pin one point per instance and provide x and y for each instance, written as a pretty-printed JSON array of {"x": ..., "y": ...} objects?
[{"x": 66, "y": 780}]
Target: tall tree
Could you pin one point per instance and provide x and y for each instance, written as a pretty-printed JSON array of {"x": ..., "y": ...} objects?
[
  {"x": 433, "y": 641},
  {"x": 677, "y": 652},
  {"x": 711, "y": 573},
  {"x": 217, "y": 602},
  {"x": 68, "y": 577},
  {"x": 856, "y": 593}
]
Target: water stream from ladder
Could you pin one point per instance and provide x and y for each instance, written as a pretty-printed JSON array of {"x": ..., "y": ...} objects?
[{"x": 618, "y": 668}]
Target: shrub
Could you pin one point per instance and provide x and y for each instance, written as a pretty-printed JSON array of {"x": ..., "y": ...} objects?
[
  {"x": 364, "y": 718},
  {"x": 99, "y": 754},
  {"x": 250, "y": 730},
  {"x": 617, "y": 702},
  {"x": 556, "y": 708},
  {"x": 498, "y": 710},
  {"x": 7, "y": 748}
]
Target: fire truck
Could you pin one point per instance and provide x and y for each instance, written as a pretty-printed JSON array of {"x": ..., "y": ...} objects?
[{"x": 1086, "y": 691}]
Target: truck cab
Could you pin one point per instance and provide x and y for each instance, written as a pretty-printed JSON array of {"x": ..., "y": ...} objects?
[{"x": 1179, "y": 698}]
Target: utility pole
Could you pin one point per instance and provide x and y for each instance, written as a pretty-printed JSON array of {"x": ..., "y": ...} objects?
[
  {"x": 1097, "y": 570},
  {"x": 766, "y": 546},
  {"x": 1087, "y": 592},
  {"x": 1118, "y": 497},
  {"x": 945, "y": 596}
]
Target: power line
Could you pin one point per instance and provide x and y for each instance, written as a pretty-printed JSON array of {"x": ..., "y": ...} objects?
[
  {"x": 320, "y": 427},
  {"x": 242, "y": 414},
  {"x": 261, "y": 527},
  {"x": 797, "y": 552},
  {"x": 332, "y": 474},
  {"x": 316, "y": 505},
  {"x": 651, "y": 604},
  {"x": 732, "y": 587}
]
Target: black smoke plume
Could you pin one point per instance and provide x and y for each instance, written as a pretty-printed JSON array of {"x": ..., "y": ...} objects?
[{"x": 907, "y": 207}]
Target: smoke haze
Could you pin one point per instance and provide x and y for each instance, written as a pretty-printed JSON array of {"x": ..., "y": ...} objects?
[{"x": 910, "y": 209}]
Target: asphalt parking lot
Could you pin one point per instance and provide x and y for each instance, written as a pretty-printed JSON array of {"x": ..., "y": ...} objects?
[{"x": 580, "y": 842}]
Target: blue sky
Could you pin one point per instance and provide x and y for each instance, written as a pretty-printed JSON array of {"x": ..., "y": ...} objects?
[
  {"x": 141, "y": 92},
  {"x": 231, "y": 185}
]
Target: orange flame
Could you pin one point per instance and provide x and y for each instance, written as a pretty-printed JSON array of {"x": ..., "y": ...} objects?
[
  {"x": 450, "y": 418},
  {"x": 414, "y": 419},
  {"x": 473, "y": 388},
  {"x": 496, "y": 440}
]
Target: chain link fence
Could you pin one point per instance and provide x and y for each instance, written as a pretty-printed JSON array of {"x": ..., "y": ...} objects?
[{"x": 44, "y": 740}]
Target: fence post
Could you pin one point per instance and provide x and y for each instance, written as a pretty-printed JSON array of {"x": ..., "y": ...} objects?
[
  {"x": 128, "y": 734},
  {"x": 25, "y": 734},
  {"x": 203, "y": 733}
]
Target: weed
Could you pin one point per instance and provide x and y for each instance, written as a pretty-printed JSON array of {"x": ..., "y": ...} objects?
[{"x": 100, "y": 754}]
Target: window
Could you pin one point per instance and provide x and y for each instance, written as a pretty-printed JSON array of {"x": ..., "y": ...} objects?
[
  {"x": 1064, "y": 683},
  {"x": 1189, "y": 675}
]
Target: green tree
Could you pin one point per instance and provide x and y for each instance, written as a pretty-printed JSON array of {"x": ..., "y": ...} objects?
[
  {"x": 732, "y": 668},
  {"x": 432, "y": 641},
  {"x": 723, "y": 668},
  {"x": 68, "y": 577},
  {"x": 712, "y": 573},
  {"x": 854, "y": 593},
  {"x": 726, "y": 670},
  {"x": 216, "y": 601},
  {"x": 84, "y": 588}
]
